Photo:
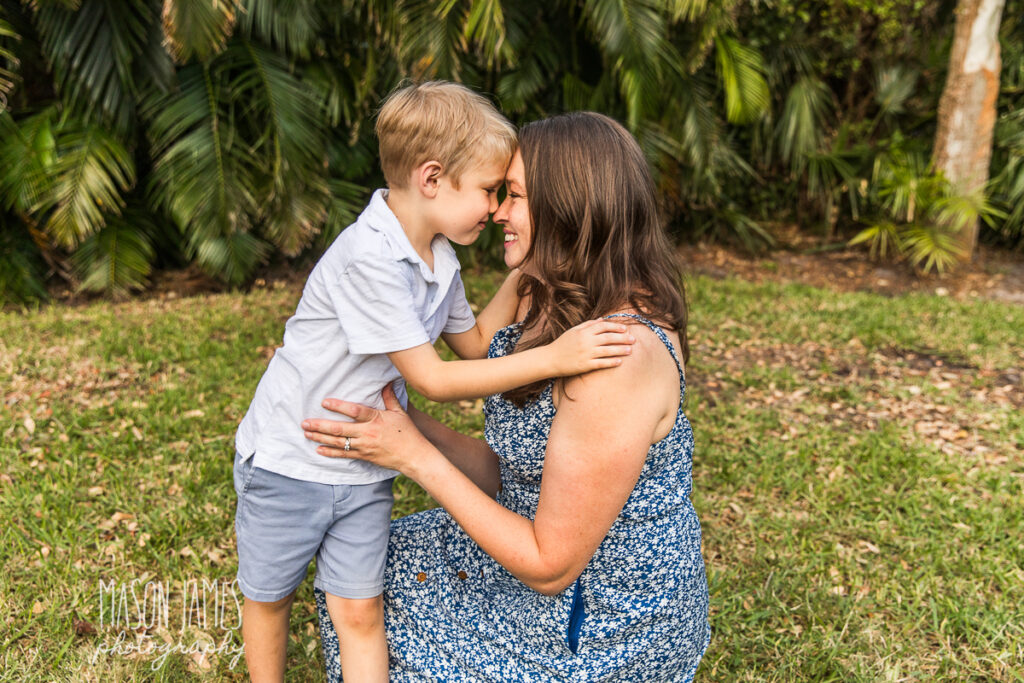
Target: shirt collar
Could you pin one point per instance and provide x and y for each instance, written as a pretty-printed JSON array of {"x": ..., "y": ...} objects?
[{"x": 382, "y": 219}]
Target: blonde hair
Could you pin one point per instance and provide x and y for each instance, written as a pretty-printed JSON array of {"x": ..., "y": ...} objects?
[{"x": 440, "y": 121}]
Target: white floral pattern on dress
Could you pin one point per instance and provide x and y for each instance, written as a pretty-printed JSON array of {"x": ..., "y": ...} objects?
[{"x": 454, "y": 614}]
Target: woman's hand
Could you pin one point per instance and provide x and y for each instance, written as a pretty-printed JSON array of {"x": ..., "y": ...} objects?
[
  {"x": 384, "y": 437},
  {"x": 592, "y": 345}
]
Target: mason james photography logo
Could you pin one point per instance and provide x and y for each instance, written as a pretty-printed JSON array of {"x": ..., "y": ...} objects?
[{"x": 197, "y": 618}]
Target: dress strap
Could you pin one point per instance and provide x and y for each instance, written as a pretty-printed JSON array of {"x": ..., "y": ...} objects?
[{"x": 664, "y": 340}]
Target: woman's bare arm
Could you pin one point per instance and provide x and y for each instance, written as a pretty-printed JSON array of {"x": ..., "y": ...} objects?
[{"x": 473, "y": 457}]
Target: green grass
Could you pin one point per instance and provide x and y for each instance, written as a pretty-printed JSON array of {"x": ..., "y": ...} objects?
[{"x": 858, "y": 474}]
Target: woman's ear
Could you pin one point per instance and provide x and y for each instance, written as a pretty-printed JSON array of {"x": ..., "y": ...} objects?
[{"x": 427, "y": 178}]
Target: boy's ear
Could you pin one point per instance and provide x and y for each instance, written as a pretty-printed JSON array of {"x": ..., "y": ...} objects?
[{"x": 427, "y": 177}]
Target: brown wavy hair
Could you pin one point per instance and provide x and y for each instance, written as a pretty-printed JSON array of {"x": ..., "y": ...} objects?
[{"x": 598, "y": 243}]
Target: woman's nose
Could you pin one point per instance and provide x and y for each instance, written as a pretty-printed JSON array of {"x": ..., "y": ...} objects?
[{"x": 501, "y": 213}]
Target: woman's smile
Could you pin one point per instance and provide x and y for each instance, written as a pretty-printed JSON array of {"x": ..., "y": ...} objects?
[{"x": 513, "y": 215}]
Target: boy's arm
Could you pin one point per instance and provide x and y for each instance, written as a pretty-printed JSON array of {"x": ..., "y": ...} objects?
[
  {"x": 592, "y": 345},
  {"x": 499, "y": 312}
]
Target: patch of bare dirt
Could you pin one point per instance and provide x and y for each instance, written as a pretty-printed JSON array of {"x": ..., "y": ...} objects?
[
  {"x": 956, "y": 408},
  {"x": 994, "y": 274}
]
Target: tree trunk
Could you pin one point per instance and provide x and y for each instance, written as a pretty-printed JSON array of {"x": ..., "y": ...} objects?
[{"x": 967, "y": 110}]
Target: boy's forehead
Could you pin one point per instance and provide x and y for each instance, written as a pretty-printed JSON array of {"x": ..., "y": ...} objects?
[{"x": 491, "y": 171}]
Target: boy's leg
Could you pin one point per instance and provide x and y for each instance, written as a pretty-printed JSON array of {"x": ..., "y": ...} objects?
[
  {"x": 360, "y": 626},
  {"x": 350, "y": 570},
  {"x": 265, "y": 634},
  {"x": 279, "y": 525}
]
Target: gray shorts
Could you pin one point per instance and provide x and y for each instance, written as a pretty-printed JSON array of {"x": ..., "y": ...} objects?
[{"x": 282, "y": 523}]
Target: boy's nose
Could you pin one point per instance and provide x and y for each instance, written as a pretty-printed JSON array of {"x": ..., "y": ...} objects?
[{"x": 493, "y": 204}]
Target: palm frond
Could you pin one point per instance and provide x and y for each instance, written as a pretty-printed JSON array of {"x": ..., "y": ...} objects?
[
  {"x": 688, "y": 10},
  {"x": 203, "y": 175},
  {"x": 750, "y": 234},
  {"x": 27, "y": 150},
  {"x": 22, "y": 272},
  {"x": 903, "y": 183},
  {"x": 153, "y": 71},
  {"x": 1008, "y": 166},
  {"x": 85, "y": 183},
  {"x": 518, "y": 87},
  {"x": 92, "y": 49},
  {"x": 292, "y": 26},
  {"x": 231, "y": 257},
  {"x": 347, "y": 201},
  {"x": 117, "y": 259},
  {"x": 264, "y": 85},
  {"x": 576, "y": 93},
  {"x": 801, "y": 127},
  {"x": 960, "y": 210},
  {"x": 741, "y": 72},
  {"x": 67, "y": 4},
  {"x": 8, "y": 60},
  {"x": 1010, "y": 184},
  {"x": 883, "y": 238},
  {"x": 729, "y": 222},
  {"x": 288, "y": 113},
  {"x": 633, "y": 38},
  {"x": 894, "y": 85},
  {"x": 429, "y": 39},
  {"x": 621, "y": 28},
  {"x": 690, "y": 122},
  {"x": 536, "y": 59},
  {"x": 932, "y": 247},
  {"x": 485, "y": 28},
  {"x": 197, "y": 29}
]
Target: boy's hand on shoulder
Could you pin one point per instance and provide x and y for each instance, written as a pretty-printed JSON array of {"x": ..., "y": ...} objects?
[{"x": 592, "y": 345}]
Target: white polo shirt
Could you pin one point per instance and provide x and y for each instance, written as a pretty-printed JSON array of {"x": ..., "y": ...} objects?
[{"x": 370, "y": 294}]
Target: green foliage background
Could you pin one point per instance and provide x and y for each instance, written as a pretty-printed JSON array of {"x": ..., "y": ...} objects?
[{"x": 137, "y": 134}]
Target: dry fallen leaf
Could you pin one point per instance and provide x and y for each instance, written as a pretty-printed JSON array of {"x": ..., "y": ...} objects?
[
  {"x": 201, "y": 660},
  {"x": 83, "y": 627},
  {"x": 870, "y": 547}
]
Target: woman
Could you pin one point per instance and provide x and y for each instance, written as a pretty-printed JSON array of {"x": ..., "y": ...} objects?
[{"x": 594, "y": 571}]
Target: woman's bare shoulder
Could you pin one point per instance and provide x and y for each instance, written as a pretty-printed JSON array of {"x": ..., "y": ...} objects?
[
  {"x": 651, "y": 342},
  {"x": 648, "y": 369}
]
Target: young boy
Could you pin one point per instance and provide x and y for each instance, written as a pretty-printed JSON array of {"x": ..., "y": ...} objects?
[{"x": 370, "y": 312}]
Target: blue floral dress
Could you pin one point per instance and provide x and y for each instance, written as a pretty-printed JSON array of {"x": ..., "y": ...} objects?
[{"x": 638, "y": 612}]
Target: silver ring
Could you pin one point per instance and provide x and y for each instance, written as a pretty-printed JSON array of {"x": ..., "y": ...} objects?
[{"x": 348, "y": 443}]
